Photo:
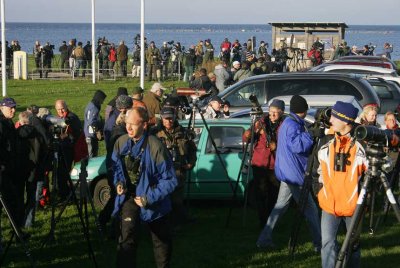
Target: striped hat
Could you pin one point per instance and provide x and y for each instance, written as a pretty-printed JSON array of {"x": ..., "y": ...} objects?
[{"x": 344, "y": 111}]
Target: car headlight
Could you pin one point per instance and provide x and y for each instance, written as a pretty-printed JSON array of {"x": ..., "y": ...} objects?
[{"x": 74, "y": 172}]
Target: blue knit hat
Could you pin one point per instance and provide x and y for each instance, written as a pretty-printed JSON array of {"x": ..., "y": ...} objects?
[
  {"x": 280, "y": 104},
  {"x": 344, "y": 111}
]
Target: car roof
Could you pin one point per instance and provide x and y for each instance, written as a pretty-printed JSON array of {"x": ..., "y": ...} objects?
[
  {"x": 363, "y": 58},
  {"x": 329, "y": 67},
  {"x": 220, "y": 121},
  {"x": 242, "y": 113},
  {"x": 320, "y": 100}
]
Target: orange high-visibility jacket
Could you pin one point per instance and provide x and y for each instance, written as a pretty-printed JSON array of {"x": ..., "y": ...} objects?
[{"x": 339, "y": 193}]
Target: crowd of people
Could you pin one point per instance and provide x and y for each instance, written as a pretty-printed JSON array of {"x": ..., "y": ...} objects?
[{"x": 173, "y": 60}]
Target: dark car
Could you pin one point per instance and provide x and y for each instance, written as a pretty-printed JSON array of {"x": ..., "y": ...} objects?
[
  {"x": 268, "y": 86},
  {"x": 388, "y": 92},
  {"x": 376, "y": 61}
]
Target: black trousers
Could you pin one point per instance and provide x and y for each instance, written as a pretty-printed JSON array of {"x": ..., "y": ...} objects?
[
  {"x": 266, "y": 191},
  {"x": 129, "y": 234}
]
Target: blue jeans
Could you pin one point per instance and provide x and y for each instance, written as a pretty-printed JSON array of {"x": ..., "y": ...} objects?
[
  {"x": 33, "y": 195},
  {"x": 286, "y": 192},
  {"x": 330, "y": 225}
]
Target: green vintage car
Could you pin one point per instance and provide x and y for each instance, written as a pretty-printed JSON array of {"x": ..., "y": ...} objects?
[{"x": 208, "y": 179}]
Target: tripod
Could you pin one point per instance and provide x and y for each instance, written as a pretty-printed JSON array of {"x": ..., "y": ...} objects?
[
  {"x": 375, "y": 156},
  {"x": 191, "y": 126},
  {"x": 16, "y": 230},
  {"x": 393, "y": 181},
  {"x": 255, "y": 114},
  {"x": 54, "y": 218}
]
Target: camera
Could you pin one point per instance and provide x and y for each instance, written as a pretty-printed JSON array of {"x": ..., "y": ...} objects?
[
  {"x": 256, "y": 109},
  {"x": 55, "y": 121},
  {"x": 51, "y": 46},
  {"x": 372, "y": 134},
  {"x": 322, "y": 117},
  {"x": 170, "y": 42}
]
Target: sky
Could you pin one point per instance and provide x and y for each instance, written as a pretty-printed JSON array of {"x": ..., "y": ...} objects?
[{"x": 352, "y": 12}]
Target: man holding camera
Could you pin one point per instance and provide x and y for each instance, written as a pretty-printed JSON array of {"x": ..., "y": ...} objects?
[
  {"x": 342, "y": 163},
  {"x": 93, "y": 126},
  {"x": 144, "y": 178},
  {"x": 183, "y": 152},
  {"x": 294, "y": 146},
  {"x": 263, "y": 161}
]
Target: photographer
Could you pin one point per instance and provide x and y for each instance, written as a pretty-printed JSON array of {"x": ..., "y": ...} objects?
[
  {"x": 93, "y": 125},
  {"x": 199, "y": 52},
  {"x": 136, "y": 62},
  {"x": 144, "y": 178},
  {"x": 165, "y": 52},
  {"x": 46, "y": 55},
  {"x": 263, "y": 161},
  {"x": 153, "y": 58},
  {"x": 8, "y": 157},
  {"x": 387, "y": 50},
  {"x": 69, "y": 137},
  {"x": 209, "y": 53},
  {"x": 183, "y": 154},
  {"x": 294, "y": 146},
  {"x": 213, "y": 110},
  {"x": 202, "y": 81},
  {"x": 342, "y": 163}
]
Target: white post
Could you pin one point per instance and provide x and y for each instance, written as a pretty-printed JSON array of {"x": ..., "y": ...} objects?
[
  {"x": 142, "y": 44},
  {"x": 93, "y": 45},
  {"x": 3, "y": 50}
]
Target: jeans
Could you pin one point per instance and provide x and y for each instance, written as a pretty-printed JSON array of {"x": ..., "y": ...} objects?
[
  {"x": 129, "y": 235},
  {"x": 34, "y": 192},
  {"x": 330, "y": 225},
  {"x": 286, "y": 191},
  {"x": 93, "y": 146}
]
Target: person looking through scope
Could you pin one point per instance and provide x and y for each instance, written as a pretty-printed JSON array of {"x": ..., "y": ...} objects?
[
  {"x": 263, "y": 160},
  {"x": 68, "y": 137},
  {"x": 342, "y": 162}
]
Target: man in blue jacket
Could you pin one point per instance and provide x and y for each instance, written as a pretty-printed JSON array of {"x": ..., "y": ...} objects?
[
  {"x": 93, "y": 122},
  {"x": 144, "y": 178},
  {"x": 293, "y": 149}
]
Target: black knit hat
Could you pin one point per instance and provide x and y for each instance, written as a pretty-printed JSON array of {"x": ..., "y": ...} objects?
[
  {"x": 122, "y": 91},
  {"x": 99, "y": 96},
  {"x": 298, "y": 104}
]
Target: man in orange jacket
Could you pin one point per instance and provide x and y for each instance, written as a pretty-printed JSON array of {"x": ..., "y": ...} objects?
[{"x": 342, "y": 163}]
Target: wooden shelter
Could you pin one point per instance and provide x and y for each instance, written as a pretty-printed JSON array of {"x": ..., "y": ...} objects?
[{"x": 303, "y": 34}]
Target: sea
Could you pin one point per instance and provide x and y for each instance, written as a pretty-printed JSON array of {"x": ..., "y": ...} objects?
[{"x": 186, "y": 34}]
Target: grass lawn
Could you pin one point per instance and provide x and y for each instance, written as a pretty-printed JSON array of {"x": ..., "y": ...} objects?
[{"x": 204, "y": 243}]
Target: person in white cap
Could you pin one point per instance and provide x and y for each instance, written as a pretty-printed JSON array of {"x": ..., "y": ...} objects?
[{"x": 153, "y": 100}]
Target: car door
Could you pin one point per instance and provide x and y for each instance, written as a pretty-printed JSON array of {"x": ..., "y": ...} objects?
[{"x": 209, "y": 180}]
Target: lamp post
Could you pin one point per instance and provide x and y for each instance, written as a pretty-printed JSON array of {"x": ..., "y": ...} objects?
[
  {"x": 142, "y": 43},
  {"x": 3, "y": 50},
  {"x": 93, "y": 45}
]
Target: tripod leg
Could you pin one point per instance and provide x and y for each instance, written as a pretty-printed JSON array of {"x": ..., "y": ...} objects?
[
  {"x": 217, "y": 153},
  {"x": 371, "y": 210},
  {"x": 17, "y": 232},
  {"x": 345, "y": 250},
  {"x": 390, "y": 196}
]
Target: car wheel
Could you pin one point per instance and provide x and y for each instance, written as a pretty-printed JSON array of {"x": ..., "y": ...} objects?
[{"x": 101, "y": 193}]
